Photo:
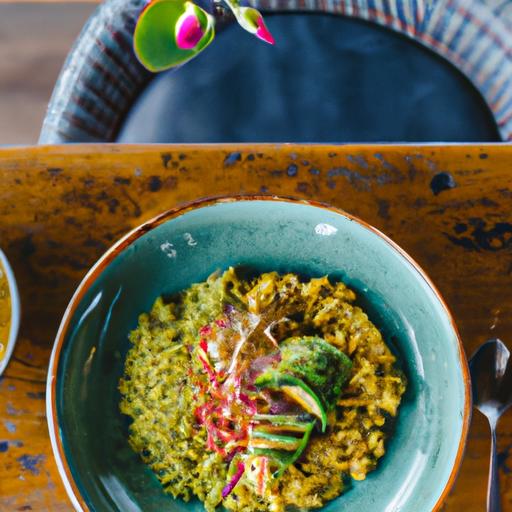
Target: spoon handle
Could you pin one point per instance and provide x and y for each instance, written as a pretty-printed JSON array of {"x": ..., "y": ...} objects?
[{"x": 493, "y": 489}]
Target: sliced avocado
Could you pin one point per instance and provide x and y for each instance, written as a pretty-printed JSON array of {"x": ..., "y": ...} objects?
[
  {"x": 282, "y": 422},
  {"x": 323, "y": 367},
  {"x": 285, "y": 462},
  {"x": 308, "y": 400},
  {"x": 270, "y": 441},
  {"x": 282, "y": 458},
  {"x": 280, "y": 419},
  {"x": 297, "y": 390},
  {"x": 281, "y": 429}
]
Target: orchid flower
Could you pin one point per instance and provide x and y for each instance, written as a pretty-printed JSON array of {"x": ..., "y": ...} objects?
[
  {"x": 169, "y": 33},
  {"x": 251, "y": 20},
  {"x": 192, "y": 26}
]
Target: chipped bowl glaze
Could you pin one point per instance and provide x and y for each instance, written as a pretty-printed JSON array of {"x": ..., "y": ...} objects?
[
  {"x": 183, "y": 246},
  {"x": 13, "y": 304}
]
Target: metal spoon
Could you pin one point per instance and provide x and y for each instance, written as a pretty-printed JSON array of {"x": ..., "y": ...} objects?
[{"x": 491, "y": 377}]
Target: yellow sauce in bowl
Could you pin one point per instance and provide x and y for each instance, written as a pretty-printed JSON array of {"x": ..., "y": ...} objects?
[{"x": 5, "y": 311}]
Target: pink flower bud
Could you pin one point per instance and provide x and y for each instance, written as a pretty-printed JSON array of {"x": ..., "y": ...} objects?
[
  {"x": 251, "y": 20},
  {"x": 263, "y": 32},
  {"x": 191, "y": 27}
]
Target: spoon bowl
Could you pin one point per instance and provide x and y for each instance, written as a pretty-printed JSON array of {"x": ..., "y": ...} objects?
[{"x": 491, "y": 377}]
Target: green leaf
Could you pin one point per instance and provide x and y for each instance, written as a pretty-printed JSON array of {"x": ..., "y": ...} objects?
[{"x": 154, "y": 40}]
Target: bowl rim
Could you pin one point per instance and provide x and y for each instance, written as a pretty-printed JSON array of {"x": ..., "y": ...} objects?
[
  {"x": 51, "y": 392},
  {"x": 15, "y": 311}
]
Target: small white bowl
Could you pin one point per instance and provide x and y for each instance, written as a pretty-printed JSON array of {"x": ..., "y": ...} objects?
[{"x": 15, "y": 311}]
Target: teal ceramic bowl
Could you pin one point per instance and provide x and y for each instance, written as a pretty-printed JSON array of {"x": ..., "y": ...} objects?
[{"x": 183, "y": 246}]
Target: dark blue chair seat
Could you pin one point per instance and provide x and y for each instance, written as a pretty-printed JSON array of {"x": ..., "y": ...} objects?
[{"x": 328, "y": 79}]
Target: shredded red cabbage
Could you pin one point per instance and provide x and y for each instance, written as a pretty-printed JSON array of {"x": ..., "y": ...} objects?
[{"x": 234, "y": 480}]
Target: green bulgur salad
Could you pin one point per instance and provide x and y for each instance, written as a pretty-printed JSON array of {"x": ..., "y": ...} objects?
[{"x": 259, "y": 394}]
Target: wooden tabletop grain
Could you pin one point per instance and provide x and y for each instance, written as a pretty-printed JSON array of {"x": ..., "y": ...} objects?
[{"x": 450, "y": 207}]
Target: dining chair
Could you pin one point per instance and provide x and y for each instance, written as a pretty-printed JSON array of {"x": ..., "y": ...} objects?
[{"x": 341, "y": 71}]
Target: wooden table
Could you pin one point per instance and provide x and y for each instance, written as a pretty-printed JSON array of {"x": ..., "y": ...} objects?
[{"x": 61, "y": 207}]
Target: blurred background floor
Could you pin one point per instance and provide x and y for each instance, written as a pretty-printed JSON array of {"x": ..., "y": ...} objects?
[{"x": 34, "y": 41}]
